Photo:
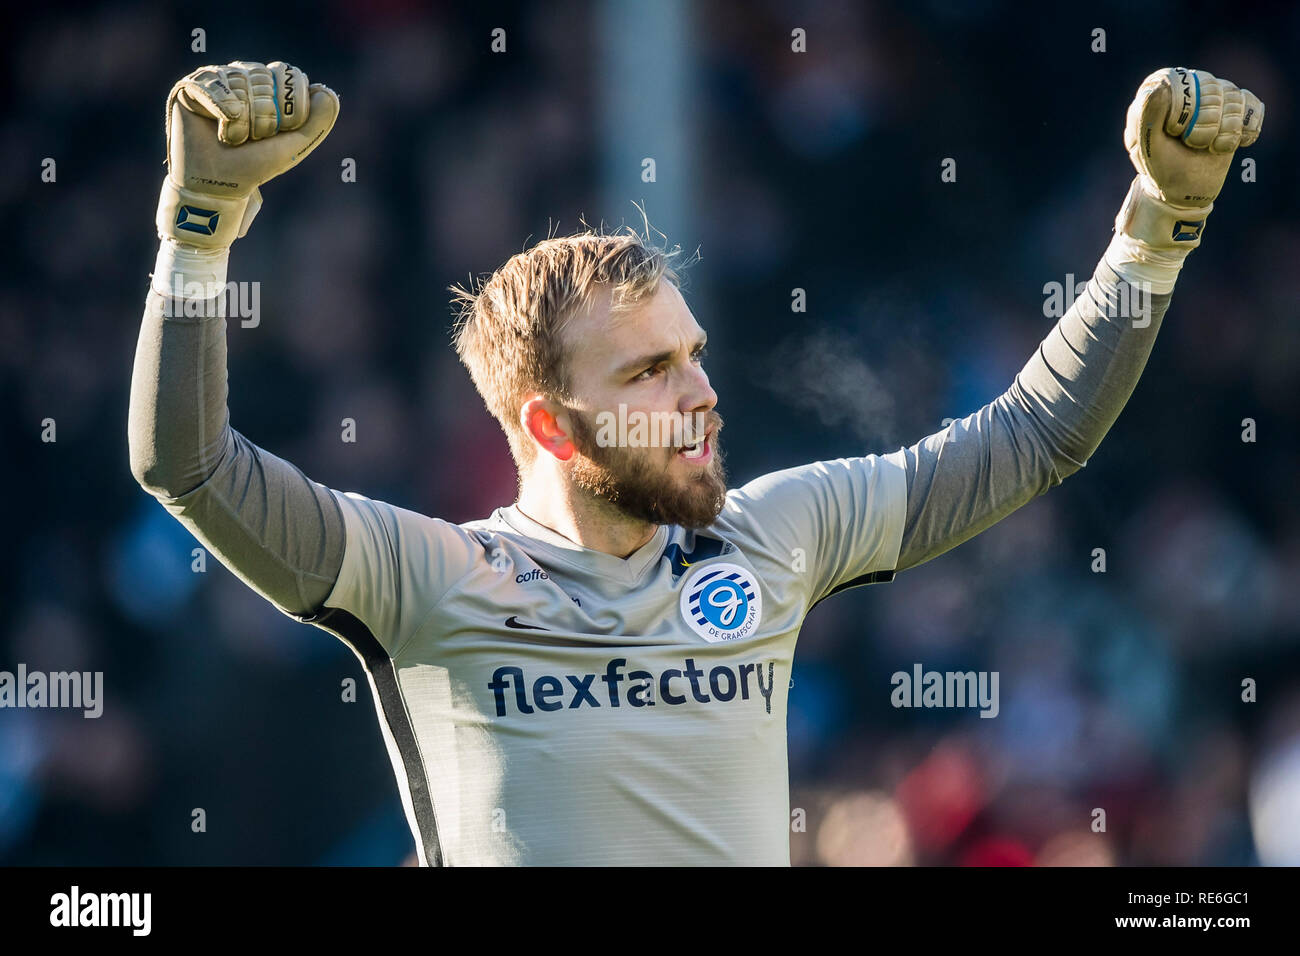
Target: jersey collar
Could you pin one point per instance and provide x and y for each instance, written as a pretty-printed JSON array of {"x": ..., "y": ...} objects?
[{"x": 588, "y": 559}]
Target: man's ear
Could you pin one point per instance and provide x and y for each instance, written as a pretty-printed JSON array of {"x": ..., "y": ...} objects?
[{"x": 548, "y": 424}]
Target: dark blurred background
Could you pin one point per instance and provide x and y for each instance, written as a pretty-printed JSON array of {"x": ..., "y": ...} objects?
[{"x": 783, "y": 170}]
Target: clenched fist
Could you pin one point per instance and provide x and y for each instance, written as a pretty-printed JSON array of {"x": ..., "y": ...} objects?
[
  {"x": 229, "y": 129},
  {"x": 1182, "y": 130}
]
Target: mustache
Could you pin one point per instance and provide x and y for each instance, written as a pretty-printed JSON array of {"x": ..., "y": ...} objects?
[
  {"x": 712, "y": 424},
  {"x": 686, "y": 430}
]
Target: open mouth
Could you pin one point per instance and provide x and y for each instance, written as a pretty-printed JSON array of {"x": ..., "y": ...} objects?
[{"x": 699, "y": 452}]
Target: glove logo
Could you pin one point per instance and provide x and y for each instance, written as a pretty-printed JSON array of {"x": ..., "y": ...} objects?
[
  {"x": 721, "y": 602},
  {"x": 193, "y": 219},
  {"x": 1185, "y": 88},
  {"x": 1185, "y": 231}
]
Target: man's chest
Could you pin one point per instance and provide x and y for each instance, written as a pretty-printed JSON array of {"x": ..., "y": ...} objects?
[{"x": 526, "y": 636}]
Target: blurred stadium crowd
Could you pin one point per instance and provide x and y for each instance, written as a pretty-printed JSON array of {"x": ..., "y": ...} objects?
[{"x": 1120, "y": 690}]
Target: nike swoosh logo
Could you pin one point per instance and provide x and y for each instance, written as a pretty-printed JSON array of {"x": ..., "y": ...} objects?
[{"x": 513, "y": 621}]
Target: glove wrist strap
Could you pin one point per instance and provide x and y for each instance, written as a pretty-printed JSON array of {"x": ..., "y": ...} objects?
[
  {"x": 1153, "y": 238},
  {"x": 1148, "y": 218},
  {"x": 201, "y": 219}
]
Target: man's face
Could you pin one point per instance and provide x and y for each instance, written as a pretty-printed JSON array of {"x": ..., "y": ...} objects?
[{"x": 644, "y": 430}]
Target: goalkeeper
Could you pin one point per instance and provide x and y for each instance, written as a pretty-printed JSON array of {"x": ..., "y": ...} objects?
[{"x": 598, "y": 672}]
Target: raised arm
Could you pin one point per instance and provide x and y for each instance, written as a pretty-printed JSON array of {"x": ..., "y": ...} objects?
[
  {"x": 1181, "y": 133},
  {"x": 1039, "y": 431},
  {"x": 229, "y": 129}
]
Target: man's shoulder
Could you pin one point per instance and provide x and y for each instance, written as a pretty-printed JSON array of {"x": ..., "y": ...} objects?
[
  {"x": 819, "y": 472},
  {"x": 488, "y": 525},
  {"x": 404, "y": 522},
  {"x": 813, "y": 492}
]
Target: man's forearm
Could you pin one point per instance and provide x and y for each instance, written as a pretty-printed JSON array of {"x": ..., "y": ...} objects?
[
  {"x": 280, "y": 532},
  {"x": 178, "y": 424},
  {"x": 1042, "y": 429},
  {"x": 1181, "y": 132}
]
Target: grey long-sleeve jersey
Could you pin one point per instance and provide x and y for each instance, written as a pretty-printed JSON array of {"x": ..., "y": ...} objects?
[{"x": 545, "y": 703}]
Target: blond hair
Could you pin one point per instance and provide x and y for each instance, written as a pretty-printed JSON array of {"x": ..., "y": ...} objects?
[{"x": 509, "y": 330}]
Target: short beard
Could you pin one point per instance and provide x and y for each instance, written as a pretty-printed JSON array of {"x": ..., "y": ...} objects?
[{"x": 641, "y": 489}]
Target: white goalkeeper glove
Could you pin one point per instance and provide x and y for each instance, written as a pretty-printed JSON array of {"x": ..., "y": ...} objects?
[
  {"x": 1181, "y": 132},
  {"x": 229, "y": 129},
  {"x": 1203, "y": 119}
]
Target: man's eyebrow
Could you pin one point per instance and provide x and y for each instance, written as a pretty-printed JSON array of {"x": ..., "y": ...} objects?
[{"x": 645, "y": 361}]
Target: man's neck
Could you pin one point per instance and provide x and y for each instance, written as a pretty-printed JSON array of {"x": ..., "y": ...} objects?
[{"x": 584, "y": 519}]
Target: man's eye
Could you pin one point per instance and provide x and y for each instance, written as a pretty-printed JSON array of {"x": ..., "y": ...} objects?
[{"x": 654, "y": 370}]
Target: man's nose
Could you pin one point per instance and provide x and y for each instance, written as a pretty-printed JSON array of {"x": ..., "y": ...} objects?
[{"x": 700, "y": 396}]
